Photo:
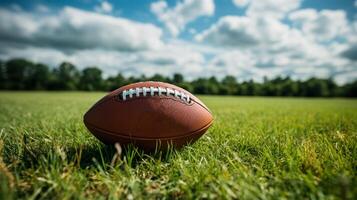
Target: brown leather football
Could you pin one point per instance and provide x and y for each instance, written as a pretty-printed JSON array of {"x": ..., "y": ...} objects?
[{"x": 149, "y": 115}]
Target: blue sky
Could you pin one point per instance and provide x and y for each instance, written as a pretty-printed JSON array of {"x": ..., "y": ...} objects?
[
  {"x": 249, "y": 39},
  {"x": 139, "y": 10}
]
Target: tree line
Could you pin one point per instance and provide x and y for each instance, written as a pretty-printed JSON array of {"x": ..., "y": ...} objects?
[{"x": 21, "y": 74}]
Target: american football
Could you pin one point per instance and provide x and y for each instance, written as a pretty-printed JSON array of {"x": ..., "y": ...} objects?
[
  {"x": 178, "y": 99},
  {"x": 149, "y": 115}
]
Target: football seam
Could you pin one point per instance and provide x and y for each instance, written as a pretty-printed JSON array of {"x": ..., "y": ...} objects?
[
  {"x": 162, "y": 97},
  {"x": 143, "y": 138},
  {"x": 115, "y": 97},
  {"x": 156, "y": 97},
  {"x": 150, "y": 91}
]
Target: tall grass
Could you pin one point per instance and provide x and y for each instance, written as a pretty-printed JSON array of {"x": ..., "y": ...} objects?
[{"x": 258, "y": 148}]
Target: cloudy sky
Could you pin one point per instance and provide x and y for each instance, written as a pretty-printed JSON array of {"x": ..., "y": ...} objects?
[{"x": 248, "y": 39}]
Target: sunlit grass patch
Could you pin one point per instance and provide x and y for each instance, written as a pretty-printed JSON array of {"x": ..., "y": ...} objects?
[{"x": 257, "y": 148}]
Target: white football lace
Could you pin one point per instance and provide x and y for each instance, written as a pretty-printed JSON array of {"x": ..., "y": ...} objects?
[{"x": 151, "y": 91}]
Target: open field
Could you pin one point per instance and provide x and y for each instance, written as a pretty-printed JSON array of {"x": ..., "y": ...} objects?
[{"x": 258, "y": 148}]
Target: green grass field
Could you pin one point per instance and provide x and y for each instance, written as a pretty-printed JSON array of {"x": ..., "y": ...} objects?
[{"x": 258, "y": 148}]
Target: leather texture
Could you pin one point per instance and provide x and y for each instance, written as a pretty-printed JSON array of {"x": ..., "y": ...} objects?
[{"x": 147, "y": 121}]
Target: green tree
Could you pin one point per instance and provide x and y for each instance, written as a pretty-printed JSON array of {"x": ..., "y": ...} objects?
[
  {"x": 350, "y": 89},
  {"x": 113, "y": 83},
  {"x": 39, "y": 76},
  {"x": 65, "y": 77},
  {"x": 251, "y": 88},
  {"x": 177, "y": 78},
  {"x": 158, "y": 77},
  {"x": 200, "y": 86},
  {"x": 243, "y": 89},
  {"x": 314, "y": 87},
  {"x": 288, "y": 88},
  {"x": 268, "y": 89},
  {"x": 332, "y": 87},
  {"x": 187, "y": 86},
  {"x": 229, "y": 85},
  {"x": 91, "y": 79},
  {"x": 205, "y": 86},
  {"x": 17, "y": 73},
  {"x": 3, "y": 80},
  {"x": 21, "y": 74},
  {"x": 213, "y": 85}
]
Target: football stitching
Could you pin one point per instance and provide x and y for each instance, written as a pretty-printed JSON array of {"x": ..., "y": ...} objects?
[{"x": 151, "y": 91}]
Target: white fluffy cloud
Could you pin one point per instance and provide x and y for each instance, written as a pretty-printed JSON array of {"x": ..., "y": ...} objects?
[
  {"x": 326, "y": 26},
  {"x": 73, "y": 29},
  {"x": 86, "y": 38},
  {"x": 257, "y": 64},
  {"x": 241, "y": 3},
  {"x": 175, "y": 19},
  {"x": 257, "y": 46},
  {"x": 348, "y": 76},
  {"x": 104, "y": 7},
  {"x": 268, "y": 8},
  {"x": 235, "y": 31},
  {"x": 350, "y": 52},
  {"x": 322, "y": 25},
  {"x": 170, "y": 58}
]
